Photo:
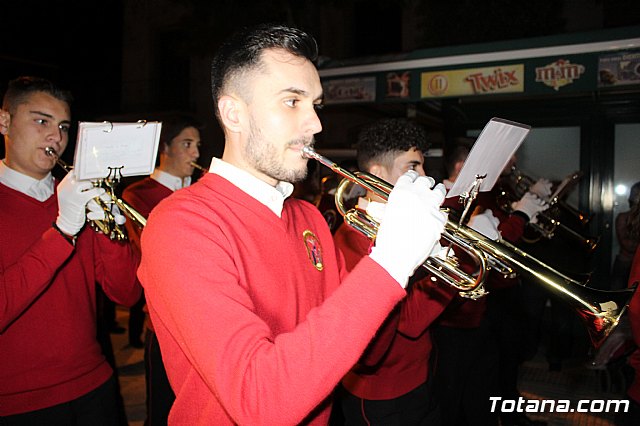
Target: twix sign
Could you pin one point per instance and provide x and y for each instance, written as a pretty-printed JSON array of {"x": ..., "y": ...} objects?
[{"x": 474, "y": 81}]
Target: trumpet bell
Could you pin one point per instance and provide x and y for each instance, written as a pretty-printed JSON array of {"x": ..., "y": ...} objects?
[{"x": 601, "y": 311}]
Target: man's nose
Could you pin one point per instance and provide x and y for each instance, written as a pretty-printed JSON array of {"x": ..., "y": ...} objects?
[
  {"x": 313, "y": 124},
  {"x": 55, "y": 134}
]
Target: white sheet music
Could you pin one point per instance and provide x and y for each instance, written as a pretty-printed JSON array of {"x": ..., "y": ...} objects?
[
  {"x": 498, "y": 141},
  {"x": 132, "y": 147}
]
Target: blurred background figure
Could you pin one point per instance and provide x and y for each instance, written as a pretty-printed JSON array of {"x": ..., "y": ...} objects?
[
  {"x": 628, "y": 236},
  {"x": 390, "y": 384},
  {"x": 178, "y": 149}
]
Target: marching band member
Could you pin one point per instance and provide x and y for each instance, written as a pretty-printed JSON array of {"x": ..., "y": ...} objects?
[
  {"x": 53, "y": 370},
  {"x": 255, "y": 313},
  {"x": 390, "y": 385},
  {"x": 474, "y": 338},
  {"x": 179, "y": 148}
]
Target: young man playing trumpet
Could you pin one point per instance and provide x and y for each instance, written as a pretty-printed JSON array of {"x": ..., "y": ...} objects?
[
  {"x": 52, "y": 371},
  {"x": 178, "y": 150},
  {"x": 390, "y": 384},
  {"x": 255, "y": 313}
]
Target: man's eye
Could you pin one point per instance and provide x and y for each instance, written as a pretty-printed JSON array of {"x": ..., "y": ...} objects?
[
  {"x": 318, "y": 107},
  {"x": 64, "y": 128},
  {"x": 186, "y": 144},
  {"x": 41, "y": 121},
  {"x": 291, "y": 102}
]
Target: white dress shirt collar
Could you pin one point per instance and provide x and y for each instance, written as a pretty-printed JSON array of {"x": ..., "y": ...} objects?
[
  {"x": 41, "y": 189},
  {"x": 272, "y": 197},
  {"x": 170, "y": 181}
]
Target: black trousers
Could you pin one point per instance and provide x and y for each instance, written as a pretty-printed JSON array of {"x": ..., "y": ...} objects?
[
  {"x": 465, "y": 375},
  {"x": 97, "y": 408},
  {"x": 415, "y": 408},
  {"x": 160, "y": 396},
  {"x": 136, "y": 320}
]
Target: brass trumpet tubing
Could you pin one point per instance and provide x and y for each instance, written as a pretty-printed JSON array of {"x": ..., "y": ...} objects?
[
  {"x": 108, "y": 225},
  {"x": 139, "y": 220},
  {"x": 599, "y": 310},
  {"x": 368, "y": 226},
  {"x": 199, "y": 167},
  {"x": 444, "y": 269}
]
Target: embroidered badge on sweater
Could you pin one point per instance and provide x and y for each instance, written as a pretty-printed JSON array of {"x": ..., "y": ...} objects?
[{"x": 314, "y": 250}]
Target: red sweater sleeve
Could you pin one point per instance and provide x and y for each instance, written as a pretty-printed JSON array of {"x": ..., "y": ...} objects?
[
  {"x": 116, "y": 265},
  {"x": 427, "y": 299},
  {"x": 23, "y": 281}
]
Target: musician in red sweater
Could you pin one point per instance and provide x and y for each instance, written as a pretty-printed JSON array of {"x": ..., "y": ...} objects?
[
  {"x": 471, "y": 363},
  {"x": 178, "y": 149},
  {"x": 52, "y": 371},
  {"x": 389, "y": 384},
  {"x": 256, "y": 315}
]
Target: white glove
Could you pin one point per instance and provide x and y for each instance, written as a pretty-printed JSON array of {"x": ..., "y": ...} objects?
[
  {"x": 73, "y": 196},
  {"x": 411, "y": 226},
  {"x": 486, "y": 224},
  {"x": 95, "y": 210},
  {"x": 542, "y": 188},
  {"x": 119, "y": 218},
  {"x": 530, "y": 205},
  {"x": 376, "y": 210}
]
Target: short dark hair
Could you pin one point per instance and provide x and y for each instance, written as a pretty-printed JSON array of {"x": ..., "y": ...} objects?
[
  {"x": 21, "y": 88},
  {"x": 454, "y": 155},
  {"x": 242, "y": 52},
  {"x": 389, "y": 136},
  {"x": 173, "y": 124}
]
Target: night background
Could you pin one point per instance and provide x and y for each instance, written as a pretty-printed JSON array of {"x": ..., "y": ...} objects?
[{"x": 126, "y": 59}]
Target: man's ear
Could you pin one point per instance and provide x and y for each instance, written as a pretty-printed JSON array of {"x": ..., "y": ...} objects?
[
  {"x": 231, "y": 111},
  {"x": 166, "y": 147},
  {"x": 378, "y": 170},
  {"x": 5, "y": 120}
]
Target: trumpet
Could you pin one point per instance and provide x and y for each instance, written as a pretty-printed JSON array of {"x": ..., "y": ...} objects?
[
  {"x": 108, "y": 225},
  {"x": 548, "y": 221},
  {"x": 599, "y": 310},
  {"x": 199, "y": 167}
]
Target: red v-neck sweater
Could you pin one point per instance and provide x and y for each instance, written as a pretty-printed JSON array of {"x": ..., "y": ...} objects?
[
  {"x": 396, "y": 361},
  {"x": 251, "y": 331},
  {"x": 48, "y": 348}
]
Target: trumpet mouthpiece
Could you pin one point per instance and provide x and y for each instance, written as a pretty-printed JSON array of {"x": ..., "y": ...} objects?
[
  {"x": 50, "y": 152},
  {"x": 308, "y": 152}
]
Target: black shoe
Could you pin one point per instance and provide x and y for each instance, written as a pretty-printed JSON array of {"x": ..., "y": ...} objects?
[{"x": 136, "y": 343}]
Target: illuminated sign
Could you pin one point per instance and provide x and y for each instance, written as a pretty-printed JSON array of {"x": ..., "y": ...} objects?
[
  {"x": 349, "y": 90},
  {"x": 473, "y": 81},
  {"x": 559, "y": 73}
]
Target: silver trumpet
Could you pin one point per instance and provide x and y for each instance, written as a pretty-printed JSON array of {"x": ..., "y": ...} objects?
[
  {"x": 108, "y": 225},
  {"x": 599, "y": 310}
]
